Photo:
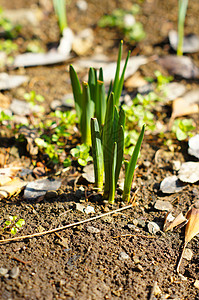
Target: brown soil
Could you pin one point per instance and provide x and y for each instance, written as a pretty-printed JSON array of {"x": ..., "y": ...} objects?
[{"x": 89, "y": 266}]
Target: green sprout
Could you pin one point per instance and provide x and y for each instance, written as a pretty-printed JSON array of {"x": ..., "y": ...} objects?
[
  {"x": 81, "y": 153},
  {"x": 118, "y": 18},
  {"x": 8, "y": 46},
  {"x": 10, "y": 30},
  {"x": 91, "y": 100},
  {"x": 183, "y": 128},
  {"x": 60, "y": 10},
  {"x": 13, "y": 225},
  {"x": 182, "y": 9}
]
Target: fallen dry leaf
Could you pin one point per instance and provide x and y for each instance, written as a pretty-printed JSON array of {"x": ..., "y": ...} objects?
[
  {"x": 171, "y": 222},
  {"x": 7, "y": 174},
  {"x": 192, "y": 228},
  {"x": 13, "y": 187}
]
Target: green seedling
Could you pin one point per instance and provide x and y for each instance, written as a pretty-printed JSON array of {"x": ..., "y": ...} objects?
[
  {"x": 33, "y": 98},
  {"x": 182, "y": 10},
  {"x": 60, "y": 10},
  {"x": 8, "y": 46},
  {"x": 91, "y": 100},
  {"x": 11, "y": 31},
  {"x": 183, "y": 128},
  {"x": 81, "y": 153},
  {"x": 13, "y": 225},
  {"x": 119, "y": 19}
]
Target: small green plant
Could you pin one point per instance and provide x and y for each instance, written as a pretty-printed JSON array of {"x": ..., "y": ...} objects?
[
  {"x": 11, "y": 31},
  {"x": 60, "y": 10},
  {"x": 53, "y": 144},
  {"x": 13, "y": 225},
  {"x": 8, "y": 46},
  {"x": 183, "y": 128},
  {"x": 81, "y": 153},
  {"x": 182, "y": 10},
  {"x": 120, "y": 18},
  {"x": 4, "y": 117},
  {"x": 32, "y": 98},
  {"x": 91, "y": 100}
]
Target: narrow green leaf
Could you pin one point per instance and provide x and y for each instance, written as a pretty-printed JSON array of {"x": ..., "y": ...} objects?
[
  {"x": 92, "y": 82},
  {"x": 120, "y": 153},
  {"x": 112, "y": 173},
  {"x": 117, "y": 72},
  {"x": 107, "y": 143},
  {"x": 100, "y": 105},
  {"x": 77, "y": 91},
  {"x": 119, "y": 86},
  {"x": 131, "y": 167},
  {"x": 182, "y": 9},
  {"x": 86, "y": 115},
  {"x": 97, "y": 153},
  {"x": 60, "y": 10}
]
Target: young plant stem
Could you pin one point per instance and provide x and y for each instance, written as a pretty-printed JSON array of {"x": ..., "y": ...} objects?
[
  {"x": 60, "y": 10},
  {"x": 130, "y": 167},
  {"x": 77, "y": 92},
  {"x": 87, "y": 114},
  {"x": 97, "y": 153},
  {"x": 112, "y": 174},
  {"x": 182, "y": 9}
]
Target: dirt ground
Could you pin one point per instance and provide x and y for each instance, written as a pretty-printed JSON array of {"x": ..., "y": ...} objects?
[{"x": 122, "y": 260}]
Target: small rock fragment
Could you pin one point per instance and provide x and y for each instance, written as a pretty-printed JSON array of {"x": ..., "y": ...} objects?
[
  {"x": 3, "y": 271},
  {"x": 163, "y": 205},
  {"x": 153, "y": 227},
  {"x": 174, "y": 90},
  {"x": 179, "y": 65},
  {"x": 80, "y": 207},
  {"x": 83, "y": 41},
  {"x": 141, "y": 222},
  {"x": 82, "y": 5},
  {"x": 189, "y": 172},
  {"x": 123, "y": 256},
  {"x": 176, "y": 165},
  {"x": 171, "y": 184},
  {"x": 89, "y": 173},
  {"x": 196, "y": 284},
  {"x": 92, "y": 229},
  {"x": 14, "y": 272},
  {"x": 194, "y": 146},
  {"x": 190, "y": 42},
  {"x": 188, "y": 254},
  {"x": 8, "y": 82},
  {"x": 89, "y": 209},
  {"x": 39, "y": 188},
  {"x": 21, "y": 108}
]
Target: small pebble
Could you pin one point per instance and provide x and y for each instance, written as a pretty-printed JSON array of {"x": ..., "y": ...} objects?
[
  {"x": 92, "y": 229},
  {"x": 171, "y": 184},
  {"x": 3, "y": 271},
  {"x": 153, "y": 227},
  {"x": 123, "y": 256},
  {"x": 136, "y": 260},
  {"x": 139, "y": 268},
  {"x": 141, "y": 223},
  {"x": 188, "y": 254},
  {"x": 196, "y": 284},
  {"x": 14, "y": 272},
  {"x": 82, "y": 5},
  {"x": 163, "y": 205}
]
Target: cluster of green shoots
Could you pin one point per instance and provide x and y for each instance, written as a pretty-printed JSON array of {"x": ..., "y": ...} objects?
[
  {"x": 102, "y": 124},
  {"x": 132, "y": 32}
]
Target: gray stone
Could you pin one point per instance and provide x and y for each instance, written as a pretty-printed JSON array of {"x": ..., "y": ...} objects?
[
  {"x": 3, "y": 271},
  {"x": 19, "y": 107},
  {"x": 123, "y": 256},
  {"x": 194, "y": 146},
  {"x": 39, "y": 188},
  {"x": 171, "y": 184},
  {"x": 92, "y": 229},
  {"x": 190, "y": 42},
  {"x": 163, "y": 205},
  {"x": 14, "y": 272},
  {"x": 189, "y": 172},
  {"x": 8, "y": 82},
  {"x": 153, "y": 227}
]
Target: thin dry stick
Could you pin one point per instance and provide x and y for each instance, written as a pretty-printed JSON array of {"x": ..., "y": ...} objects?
[
  {"x": 63, "y": 227},
  {"x": 181, "y": 257}
]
